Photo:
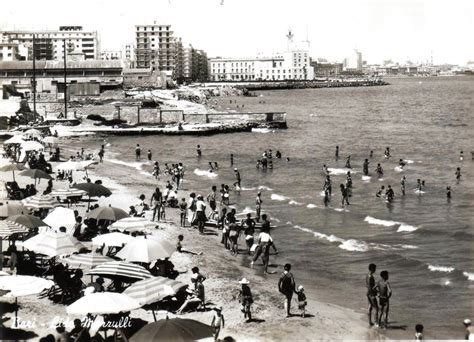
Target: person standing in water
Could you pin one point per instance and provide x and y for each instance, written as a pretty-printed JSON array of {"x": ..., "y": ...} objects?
[
  {"x": 198, "y": 150},
  {"x": 389, "y": 194},
  {"x": 138, "y": 152},
  {"x": 379, "y": 171},
  {"x": 458, "y": 174},
  {"x": 344, "y": 195},
  {"x": 448, "y": 193},
  {"x": 387, "y": 152},
  {"x": 348, "y": 162},
  {"x": 231, "y": 159},
  {"x": 402, "y": 183},
  {"x": 328, "y": 185},
  {"x": 461, "y": 156},
  {"x": 258, "y": 205},
  {"x": 365, "y": 167},
  {"x": 372, "y": 294},
  {"x": 237, "y": 176},
  {"x": 249, "y": 230},
  {"x": 337, "y": 152},
  {"x": 371, "y": 154},
  {"x": 149, "y": 155}
]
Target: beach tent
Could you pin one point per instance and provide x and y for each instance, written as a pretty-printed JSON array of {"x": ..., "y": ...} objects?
[
  {"x": 146, "y": 250},
  {"x": 125, "y": 271},
  {"x": 133, "y": 224},
  {"x": 61, "y": 217},
  {"x": 102, "y": 303},
  {"x": 174, "y": 329},
  {"x": 53, "y": 244}
]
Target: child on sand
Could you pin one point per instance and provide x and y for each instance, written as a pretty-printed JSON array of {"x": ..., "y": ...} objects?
[
  {"x": 217, "y": 321},
  {"x": 246, "y": 298},
  {"x": 301, "y": 300}
]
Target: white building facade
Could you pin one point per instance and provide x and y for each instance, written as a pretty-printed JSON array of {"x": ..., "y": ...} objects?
[{"x": 290, "y": 65}]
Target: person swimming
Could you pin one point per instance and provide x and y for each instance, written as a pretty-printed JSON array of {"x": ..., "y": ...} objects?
[
  {"x": 325, "y": 169},
  {"x": 211, "y": 168},
  {"x": 371, "y": 154},
  {"x": 379, "y": 170},
  {"x": 337, "y": 152},
  {"x": 458, "y": 174},
  {"x": 216, "y": 166},
  {"x": 461, "y": 156},
  {"x": 418, "y": 184},
  {"x": 387, "y": 152},
  {"x": 401, "y": 163},
  {"x": 448, "y": 192},
  {"x": 328, "y": 185},
  {"x": 389, "y": 194},
  {"x": 278, "y": 154},
  {"x": 402, "y": 183},
  {"x": 198, "y": 150}
]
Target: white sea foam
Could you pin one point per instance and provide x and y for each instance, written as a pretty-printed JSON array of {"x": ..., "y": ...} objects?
[
  {"x": 419, "y": 191},
  {"x": 437, "y": 268},
  {"x": 406, "y": 246},
  {"x": 293, "y": 202},
  {"x": 247, "y": 189},
  {"x": 343, "y": 171},
  {"x": 398, "y": 169},
  {"x": 380, "y": 179},
  {"x": 261, "y": 130},
  {"x": 354, "y": 245},
  {"x": 277, "y": 197},
  {"x": 205, "y": 173},
  {"x": 469, "y": 276},
  {"x": 340, "y": 210},
  {"x": 366, "y": 178},
  {"x": 135, "y": 165},
  {"x": 321, "y": 194},
  {"x": 408, "y": 161},
  {"x": 406, "y": 228},
  {"x": 330, "y": 238},
  {"x": 263, "y": 187},
  {"x": 311, "y": 206},
  {"x": 386, "y": 223}
]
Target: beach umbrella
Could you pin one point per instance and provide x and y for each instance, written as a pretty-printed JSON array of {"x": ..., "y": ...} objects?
[
  {"x": 125, "y": 271},
  {"x": 12, "y": 167},
  {"x": 8, "y": 228},
  {"x": 33, "y": 133},
  {"x": 66, "y": 193},
  {"x": 101, "y": 303},
  {"x": 112, "y": 239},
  {"x": 8, "y": 208},
  {"x": 31, "y": 146},
  {"x": 146, "y": 250},
  {"x": 86, "y": 260},
  {"x": 53, "y": 244},
  {"x": 36, "y": 174},
  {"x": 22, "y": 285},
  {"x": 16, "y": 139},
  {"x": 154, "y": 289},
  {"x": 70, "y": 165},
  {"x": 107, "y": 213},
  {"x": 50, "y": 140},
  {"x": 61, "y": 217},
  {"x": 40, "y": 202},
  {"x": 93, "y": 189},
  {"x": 133, "y": 224},
  {"x": 87, "y": 163},
  {"x": 27, "y": 221},
  {"x": 174, "y": 329}
]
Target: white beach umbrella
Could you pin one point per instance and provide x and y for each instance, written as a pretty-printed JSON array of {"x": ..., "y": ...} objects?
[
  {"x": 50, "y": 140},
  {"x": 61, "y": 217},
  {"x": 102, "y": 303},
  {"x": 16, "y": 139},
  {"x": 146, "y": 250},
  {"x": 22, "y": 285},
  {"x": 31, "y": 146},
  {"x": 70, "y": 165},
  {"x": 53, "y": 244},
  {"x": 33, "y": 133},
  {"x": 133, "y": 224},
  {"x": 112, "y": 239}
]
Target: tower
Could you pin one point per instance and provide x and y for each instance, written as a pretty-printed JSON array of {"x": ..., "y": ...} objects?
[{"x": 289, "y": 38}]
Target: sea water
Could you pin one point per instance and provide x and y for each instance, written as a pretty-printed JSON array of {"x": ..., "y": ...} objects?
[{"x": 424, "y": 241}]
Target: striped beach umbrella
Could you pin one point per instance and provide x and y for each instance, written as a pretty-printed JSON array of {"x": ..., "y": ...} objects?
[
  {"x": 133, "y": 224},
  {"x": 154, "y": 289},
  {"x": 7, "y": 229},
  {"x": 107, "y": 213},
  {"x": 112, "y": 239},
  {"x": 29, "y": 221},
  {"x": 102, "y": 303},
  {"x": 146, "y": 250},
  {"x": 86, "y": 260},
  {"x": 66, "y": 193},
  {"x": 40, "y": 202},
  {"x": 53, "y": 244},
  {"x": 125, "y": 271}
]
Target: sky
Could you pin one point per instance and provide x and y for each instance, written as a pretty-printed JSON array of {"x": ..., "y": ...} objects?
[{"x": 400, "y": 30}]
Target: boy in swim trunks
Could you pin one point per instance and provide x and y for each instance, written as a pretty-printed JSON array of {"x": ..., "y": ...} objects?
[
  {"x": 384, "y": 292},
  {"x": 372, "y": 294}
]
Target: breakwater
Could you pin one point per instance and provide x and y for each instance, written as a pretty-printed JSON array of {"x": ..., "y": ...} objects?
[{"x": 251, "y": 86}]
